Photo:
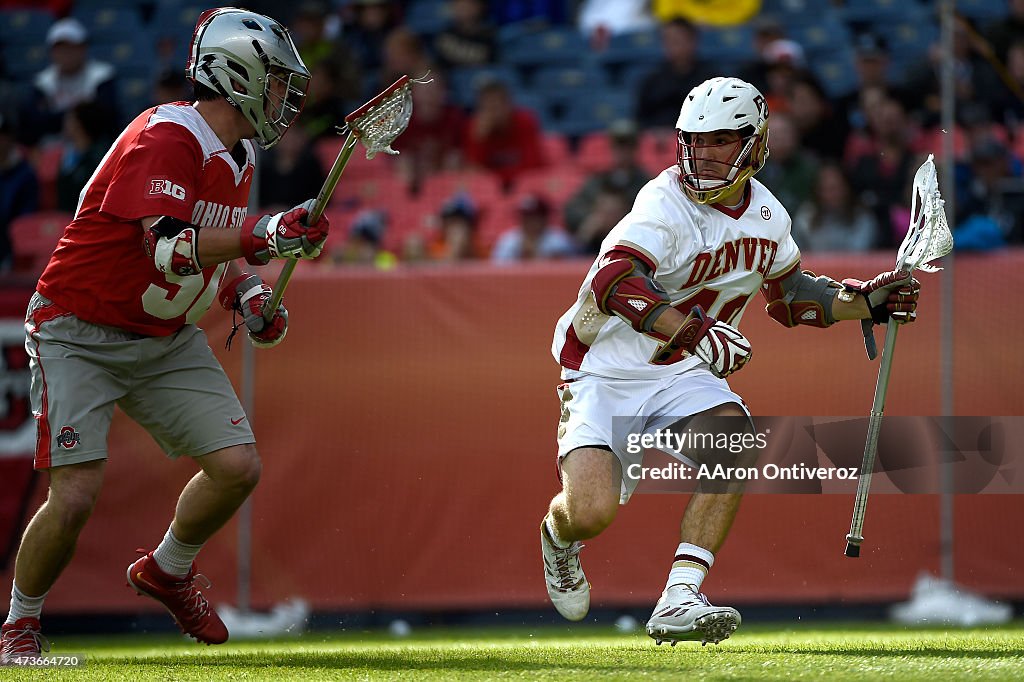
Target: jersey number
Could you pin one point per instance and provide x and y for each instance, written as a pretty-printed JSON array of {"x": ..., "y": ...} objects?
[
  {"x": 190, "y": 296},
  {"x": 706, "y": 298}
]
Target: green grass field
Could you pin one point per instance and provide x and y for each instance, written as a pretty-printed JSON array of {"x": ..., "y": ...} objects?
[{"x": 854, "y": 652}]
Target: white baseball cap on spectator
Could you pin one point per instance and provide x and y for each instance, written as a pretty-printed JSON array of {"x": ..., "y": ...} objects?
[
  {"x": 66, "y": 31},
  {"x": 786, "y": 52}
]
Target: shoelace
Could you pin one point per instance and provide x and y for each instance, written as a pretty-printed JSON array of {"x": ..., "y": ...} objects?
[
  {"x": 566, "y": 579},
  {"x": 191, "y": 598},
  {"x": 696, "y": 598},
  {"x": 26, "y": 641}
]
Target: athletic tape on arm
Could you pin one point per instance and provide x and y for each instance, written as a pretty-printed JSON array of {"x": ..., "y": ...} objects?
[{"x": 801, "y": 297}]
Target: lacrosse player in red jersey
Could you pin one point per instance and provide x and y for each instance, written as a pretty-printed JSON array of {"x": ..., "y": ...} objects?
[
  {"x": 155, "y": 236},
  {"x": 653, "y": 334}
]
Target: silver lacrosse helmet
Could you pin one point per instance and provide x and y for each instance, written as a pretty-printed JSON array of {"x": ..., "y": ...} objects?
[
  {"x": 714, "y": 105},
  {"x": 251, "y": 60}
]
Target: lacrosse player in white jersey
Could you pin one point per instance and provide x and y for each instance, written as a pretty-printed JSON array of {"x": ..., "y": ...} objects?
[{"x": 653, "y": 334}]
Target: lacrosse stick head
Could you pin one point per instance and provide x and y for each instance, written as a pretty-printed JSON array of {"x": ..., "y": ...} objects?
[
  {"x": 381, "y": 120},
  {"x": 929, "y": 236}
]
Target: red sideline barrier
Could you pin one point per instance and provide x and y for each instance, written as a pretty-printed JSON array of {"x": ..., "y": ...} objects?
[{"x": 407, "y": 430}]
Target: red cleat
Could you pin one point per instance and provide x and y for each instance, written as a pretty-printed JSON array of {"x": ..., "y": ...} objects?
[
  {"x": 181, "y": 598},
  {"x": 21, "y": 639}
]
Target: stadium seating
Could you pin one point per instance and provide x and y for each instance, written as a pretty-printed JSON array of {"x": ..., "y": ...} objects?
[
  {"x": 33, "y": 238},
  {"x": 548, "y": 47},
  {"x": 633, "y": 48},
  {"x": 824, "y": 36},
  {"x": 465, "y": 81},
  {"x": 729, "y": 44},
  {"x": 982, "y": 10},
  {"x": 25, "y": 26},
  {"x": 110, "y": 24},
  {"x": 427, "y": 17},
  {"x": 836, "y": 72},
  {"x": 590, "y": 111}
]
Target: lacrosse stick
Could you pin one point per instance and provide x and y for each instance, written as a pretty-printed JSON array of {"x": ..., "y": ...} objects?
[
  {"x": 928, "y": 238},
  {"x": 376, "y": 124}
]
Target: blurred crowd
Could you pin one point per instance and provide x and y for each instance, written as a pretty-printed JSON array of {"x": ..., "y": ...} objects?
[{"x": 543, "y": 118}]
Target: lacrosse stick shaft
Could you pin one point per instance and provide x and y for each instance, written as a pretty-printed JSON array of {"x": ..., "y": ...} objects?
[
  {"x": 318, "y": 210},
  {"x": 860, "y": 506}
]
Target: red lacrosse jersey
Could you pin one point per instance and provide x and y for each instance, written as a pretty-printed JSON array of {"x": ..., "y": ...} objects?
[{"x": 168, "y": 161}]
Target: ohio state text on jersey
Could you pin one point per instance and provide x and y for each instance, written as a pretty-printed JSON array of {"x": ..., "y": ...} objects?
[
  {"x": 705, "y": 255},
  {"x": 168, "y": 161}
]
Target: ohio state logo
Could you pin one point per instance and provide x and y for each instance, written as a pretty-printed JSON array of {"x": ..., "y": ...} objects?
[{"x": 68, "y": 438}]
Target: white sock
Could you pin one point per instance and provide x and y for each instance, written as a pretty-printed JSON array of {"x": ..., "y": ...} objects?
[
  {"x": 690, "y": 567},
  {"x": 23, "y": 606},
  {"x": 175, "y": 557},
  {"x": 555, "y": 539}
]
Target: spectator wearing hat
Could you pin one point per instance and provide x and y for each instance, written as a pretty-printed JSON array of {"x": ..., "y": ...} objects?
[
  {"x": 19, "y": 189},
  {"x": 535, "y": 238},
  {"x": 71, "y": 78},
  {"x": 456, "y": 239},
  {"x": 784, "y": 63},
  {"x": 502, "y": 137},
  {"x": 365, "y": 242},
  {"x": 625, "y": 176}
]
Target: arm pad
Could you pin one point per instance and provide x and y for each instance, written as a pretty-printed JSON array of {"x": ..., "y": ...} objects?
[
  {"x": 800, "y": 297},
  {"x": 623, "y": 286},
  {"x": 174, "y": 246}
]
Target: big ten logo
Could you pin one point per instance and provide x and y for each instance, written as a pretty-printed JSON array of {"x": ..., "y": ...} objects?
[
  {"x": 161, "y": 186},
  {"x": 17, "y": 433}
]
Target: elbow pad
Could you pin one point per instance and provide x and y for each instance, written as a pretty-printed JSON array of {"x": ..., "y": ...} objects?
[
  {"x": 801, "y": 298},
  {"x": 174, "y": 246},
  {"x": 623, "y": 286}
]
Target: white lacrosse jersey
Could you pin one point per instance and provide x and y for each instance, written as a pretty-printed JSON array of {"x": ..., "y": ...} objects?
[{"x": 706, "y": 255}]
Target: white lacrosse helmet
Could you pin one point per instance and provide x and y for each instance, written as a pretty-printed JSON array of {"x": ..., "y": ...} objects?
[
  {"x": 252, "y": 62},
  {"x": 721, "y": 104}
]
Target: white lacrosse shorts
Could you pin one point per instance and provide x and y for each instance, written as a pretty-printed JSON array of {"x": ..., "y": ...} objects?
[{"x": 600, "y": 411}]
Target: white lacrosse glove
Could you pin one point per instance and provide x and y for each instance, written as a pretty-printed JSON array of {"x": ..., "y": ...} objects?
[{"x": 720, "y": 345}]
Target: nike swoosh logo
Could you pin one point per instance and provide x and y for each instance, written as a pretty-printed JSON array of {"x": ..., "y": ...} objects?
[
  {"x": 143, "y": 582},
  {"x": 236, "y": 422}
]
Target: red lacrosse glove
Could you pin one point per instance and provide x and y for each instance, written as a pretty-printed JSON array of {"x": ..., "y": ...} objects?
[
  {"x": 248, "y": 294},
  {"x": 285, "y": 235},
  {"x": 891, "y": 294}
]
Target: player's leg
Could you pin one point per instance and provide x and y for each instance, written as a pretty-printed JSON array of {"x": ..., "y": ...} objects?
[
  {"x": 587, "y": 504},
  {"x": 77, "y": 374},
  {"x": 589, "y": 500},
  {"x": 683, "y": 613},
  {"x": 186, "y": 402},
  {"x": 46, "y": 549}
]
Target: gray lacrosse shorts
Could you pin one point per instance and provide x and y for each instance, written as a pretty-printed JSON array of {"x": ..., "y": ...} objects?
[{"x": 173, "y": 386}]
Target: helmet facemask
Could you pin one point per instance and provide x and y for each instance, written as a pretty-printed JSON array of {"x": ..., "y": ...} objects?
[{"x": 752, "y": 150}]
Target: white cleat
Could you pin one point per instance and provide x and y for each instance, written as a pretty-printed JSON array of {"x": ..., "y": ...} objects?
[
  {"x": 568, "y": 588},
  {"x": 684, "y": 615}
]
